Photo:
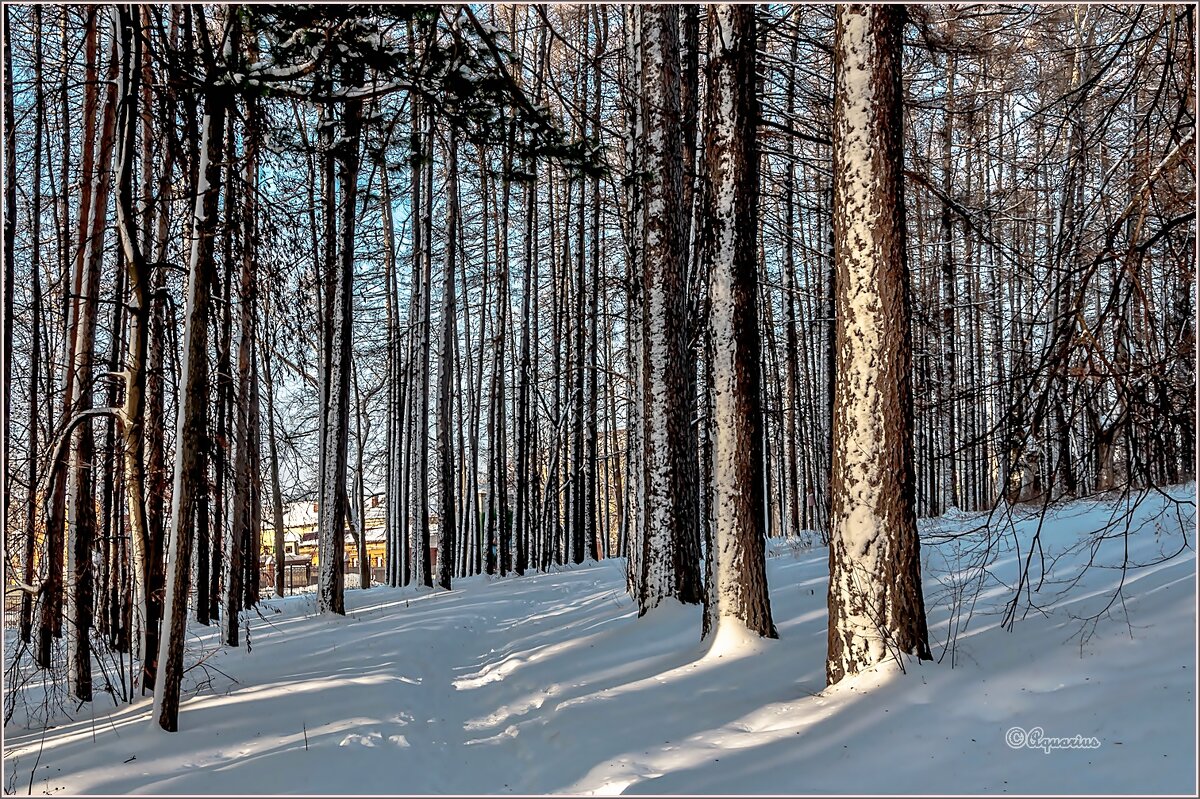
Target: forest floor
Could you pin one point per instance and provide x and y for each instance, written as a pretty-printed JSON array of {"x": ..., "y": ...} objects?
[{"x": 550, "y": 683}]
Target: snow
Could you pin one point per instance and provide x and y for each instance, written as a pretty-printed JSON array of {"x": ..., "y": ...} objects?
[{"x": 550, "y": 683}]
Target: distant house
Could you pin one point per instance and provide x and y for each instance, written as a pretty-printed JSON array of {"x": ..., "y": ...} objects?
[{"x": 300, "y": 523}]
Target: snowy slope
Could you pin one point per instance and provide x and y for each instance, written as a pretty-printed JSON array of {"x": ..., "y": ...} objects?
[{"x": 551, "y": 684}]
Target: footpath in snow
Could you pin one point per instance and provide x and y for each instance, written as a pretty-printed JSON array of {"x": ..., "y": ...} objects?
[{"x": 550, "y": 683}]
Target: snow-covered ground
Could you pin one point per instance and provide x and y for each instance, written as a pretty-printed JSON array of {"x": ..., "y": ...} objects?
[{"x": 550, "y": 683}]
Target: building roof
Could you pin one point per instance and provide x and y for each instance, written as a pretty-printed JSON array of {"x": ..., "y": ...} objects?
[{"x": 304, "y": 514}]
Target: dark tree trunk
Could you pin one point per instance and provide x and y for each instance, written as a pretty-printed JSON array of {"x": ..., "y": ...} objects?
[
  {"x": 35, "y": 357},
  {"x": 338, "y": 358},
  {"x": 273, "y": 453},
  {"x": 446, "y": 514},
  {"x": 240, "y": 534},
  {"x": 191, "y": 438}
]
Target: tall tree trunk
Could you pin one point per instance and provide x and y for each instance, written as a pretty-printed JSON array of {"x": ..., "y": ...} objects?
[
  {"x": 416, "y": 510},
  {"x": 10, "y": 237},
  {"x": 670, "y": 566},
  {"x": 524, "y": 430},
  {"x": 947, "y": 386},
  {"x": 338, "y": 359},
  {"x": 191, "y": 437},
  {"x": 497, "y": 502},
  {"x": 577, "y": 484},
  {"x": 243, "y": 480},
  {"x": 797, "y": 504},
  {"x": 155, "y": 456},
  {"x": 35, "y": 356},
  {"x": 446, "y": 513},
  {"x": 591, "y": 453},
  {"x": 138, "y": 307},
  {"x": 875, "y": 603},
  {"x": 330, "y": 542},
  {"x": 50, "y": 622},
  {"x": 220, "y": 554},
  {"x": 634, "y": 524},
  {"x": 739, "y": 557},
  {"x": 421, "y": 556},
  {"x": 81, "y": 506}
]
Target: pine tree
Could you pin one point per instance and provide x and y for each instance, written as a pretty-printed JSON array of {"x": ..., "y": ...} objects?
[
  {"x": 666, "y": 434},
  {"x": 740, "y": 590},
  {"x": 875, "y": 603}
]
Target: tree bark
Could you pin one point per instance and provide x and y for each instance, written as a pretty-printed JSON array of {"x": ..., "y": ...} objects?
[
  {"x": 240, "y": 534},
  {"x": 338, "y": 360},
  {"x": 667, "y": 560},
  {"x": 446, "y": 513},
  {"x": 191, "y": 438},
  {"x": 277, "y": 519},
  {"x": 739, "y": 557},
  {"x": 875, "y": 603},
  {"x": 35, "y": 357},
  {"x": 81, "y": 506},
  {"x": 133, "y": 413}
]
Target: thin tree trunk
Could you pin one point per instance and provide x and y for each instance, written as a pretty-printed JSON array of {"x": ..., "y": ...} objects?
[
  {"x": 446, "y": 514},
  {"x": 243, "y": 480},
  {"x": 81, "y": 507},
  {"x": 191, "y": 438},
  {"x": 276, "y": 490},
  {"x": 35, "y": 357},
  {"x": 50, "y": 623}
]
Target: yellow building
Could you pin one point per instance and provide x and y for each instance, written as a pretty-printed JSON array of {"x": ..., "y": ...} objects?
[{"x": 300, "y": 522}]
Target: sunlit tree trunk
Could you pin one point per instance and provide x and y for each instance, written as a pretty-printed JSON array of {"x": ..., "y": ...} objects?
[
  {"x": 739, "y": 559},
  {"x": 876, "y": 608}
]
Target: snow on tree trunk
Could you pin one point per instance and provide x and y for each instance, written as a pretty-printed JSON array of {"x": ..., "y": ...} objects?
[
  {"x": 666, "y": 431},
  {"x": 875, "y": 601},
  {"x": 740, "y": 593},
  {"x": 635, "y": 464}
]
